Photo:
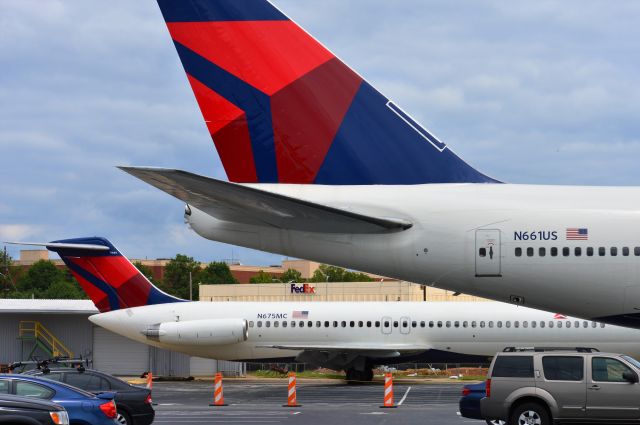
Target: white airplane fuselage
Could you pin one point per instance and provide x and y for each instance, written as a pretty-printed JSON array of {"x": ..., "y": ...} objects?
[
  {"x": 455, "y": 224},
  {"x": 374, "y": 330}
]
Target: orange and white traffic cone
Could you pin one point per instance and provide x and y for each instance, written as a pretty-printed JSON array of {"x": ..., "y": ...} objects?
[
  {"x": 218, "y": 396},
  {"x": 150, "y": 380},
  {"x": 292, "y": 400},
  {"x": 388, "y": 392}
]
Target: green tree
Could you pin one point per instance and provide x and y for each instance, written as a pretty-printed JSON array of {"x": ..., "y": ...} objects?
[
  {"x": 64, "y": 290},
  {"x": 40, "y": 277},
  {"x": 327, "y": 273},
  {"x": 7, "y": 274},
  {"x": 292, "y": 275},
  {"x": 176, "y": 276},
  {"x": 146, "y": 271},
  {"x": 216, "y": 273},
  {"x": 262, "y": 277}
]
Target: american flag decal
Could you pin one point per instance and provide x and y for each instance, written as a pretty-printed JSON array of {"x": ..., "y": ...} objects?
[
  {"x": 577, "y": 234},
  {"x": 300, "y": 314}
]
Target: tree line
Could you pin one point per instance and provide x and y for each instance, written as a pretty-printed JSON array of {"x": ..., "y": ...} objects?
[{"x": 46, "y": 281}]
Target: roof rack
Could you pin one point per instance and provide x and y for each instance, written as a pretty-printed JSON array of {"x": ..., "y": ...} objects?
[
  {"x": 543, "y": 349},
  {"x": 43, "y": 365}
]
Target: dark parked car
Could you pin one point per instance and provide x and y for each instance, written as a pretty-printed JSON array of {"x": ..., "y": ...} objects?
[
  {"x": 470, "y": 402},
  {"x": 18, "y": 410},
  {"x": 83, "y": 407},
  {"x": 133, "y": 403}
]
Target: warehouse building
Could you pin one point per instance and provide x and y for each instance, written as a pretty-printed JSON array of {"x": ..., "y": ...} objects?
[{"x": 45, "y": 328}]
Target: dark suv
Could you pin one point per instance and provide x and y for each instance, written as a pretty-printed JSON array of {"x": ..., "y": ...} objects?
[
  {"x": 17, "y": 410},
  {"x": 133, "y": 403}
]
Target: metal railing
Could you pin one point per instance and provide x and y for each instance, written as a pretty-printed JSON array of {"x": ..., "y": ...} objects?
[{"x": 32, "y": 329}]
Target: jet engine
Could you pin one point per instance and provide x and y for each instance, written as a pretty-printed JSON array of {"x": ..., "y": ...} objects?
[{"x": 199, "y": 332}]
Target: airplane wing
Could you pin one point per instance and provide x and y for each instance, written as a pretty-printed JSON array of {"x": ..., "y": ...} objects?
[
  {"x": 248, "y": 205},
  {"x": 394, "y": 350}
]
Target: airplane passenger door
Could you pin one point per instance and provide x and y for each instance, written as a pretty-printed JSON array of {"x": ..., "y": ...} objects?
[
  {"x": 488, "y": 253},
  {"x": 386, "y": 325},
  {"x": 405, "y": 325}
]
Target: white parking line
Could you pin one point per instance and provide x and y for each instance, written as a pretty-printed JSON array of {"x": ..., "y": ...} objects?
[{"x": 404, "y": 396}]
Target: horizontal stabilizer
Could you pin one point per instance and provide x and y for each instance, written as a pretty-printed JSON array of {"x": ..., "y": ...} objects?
[
  {"x": 248, "y": 205},
  {"x": 75, "y": 246}
]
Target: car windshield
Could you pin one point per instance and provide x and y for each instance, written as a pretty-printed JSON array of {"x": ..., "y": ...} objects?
[{"x": 632, "y": 361}]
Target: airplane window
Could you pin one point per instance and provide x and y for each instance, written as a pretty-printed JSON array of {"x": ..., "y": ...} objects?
[
  {"x": 301, "y": 324},
  {"x": 318, "y": 324},
  {"x": 386, "y": 324},
  {"x": 542, "y": 252},
  {"x": 395, "y": 323},
  {"x": 267, "y": 324},
  {"x": 360, "y": 323},
  {"x": 601, "y": 251},
  {"x": 614, "y": 251},
  {"x": 550, "y": 323},
  {"x": 456, "y": 324},
  {"x": 259, "y": 323},
  {"x": 534, "y": 323},
  {"x": 590, "y": 251},
  {"x": 516, "y": 324},
  {"x": 490, "y": 324},
  {"x": 568, "y": 324},
  {"x": 448, "y": 323},
  {"x": 565, "y": 252},
  {"x": 251, "y": 323},
  {"x": 276, "y": 324},
  {"x": 344, "y": 324},
  {"x": 525, "y": 324},
  {"x": 326, "y": 323},
  {"x": 578, "y": 251},
  {"x": 542, "y": 324},
  {"x": 529, "y": 252},
  {"x": 636, "y": 251},
  {"x": 507, "y": 324},
  {"x": 594, "y": 324},
  {"x": 335, "y": 323},
  {"x": 625, "y": 251},
  {"x": 310, "y": 324},
  {"x": 284, "y": 323},
  {"x": 602, "y": 325},
  {"x": 585, "y": 324},
  {"x": 439, "y": 324},
  {"x": 368, "y": 323},
  {"x": 482, "y": 324},
  {"x": 473, "y": 324},
  {"x": 414, "y": 324},
  {"x": 518, "y": 252},
  {"x": 293, "y": 324},
  {"x": 422, "y": 324},
  {"x": 483, "y": 252},
  {"x": 352, "y": 324},
  {"x": 499, "y": 323},
  {"x": 559, "y": 324},
  {"x": 576, "y": 323},
  {"x": 554, "y": 252},
  {"x": 377, "y": 324},
  {"x": 405, "y": 324},
  {"x": 465, "y": 324},
  {"x": 431, "y": 323}
]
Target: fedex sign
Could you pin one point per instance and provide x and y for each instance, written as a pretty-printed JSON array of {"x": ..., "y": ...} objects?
[{"x": 302, "y": 289}]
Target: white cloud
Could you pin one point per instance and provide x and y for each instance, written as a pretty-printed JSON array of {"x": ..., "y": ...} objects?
[{"x": 18, "y": 232}]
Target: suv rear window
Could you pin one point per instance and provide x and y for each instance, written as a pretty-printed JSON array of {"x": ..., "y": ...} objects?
[
  {"x": 563, "y": 368},
  {"x": 513, "y": 367}
]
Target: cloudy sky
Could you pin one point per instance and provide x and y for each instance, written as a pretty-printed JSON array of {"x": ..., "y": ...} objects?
[{"x": 539, "y": 91}]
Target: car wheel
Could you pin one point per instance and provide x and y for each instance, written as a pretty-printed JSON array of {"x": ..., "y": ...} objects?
[
  {"x": 123, "y": 418},
  {"x": 495, "y": 422},
  {"x": 530, "y": 414}
]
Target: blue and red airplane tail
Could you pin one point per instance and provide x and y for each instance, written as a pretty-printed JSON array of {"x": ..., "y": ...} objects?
[
  {"x": 108, "y": 278},
  {"x": 281, "y": 108}
]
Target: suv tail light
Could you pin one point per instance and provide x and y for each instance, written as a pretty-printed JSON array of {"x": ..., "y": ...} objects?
[
  {"x": 488, "y": 387},
  {"x": 109, "y": 409},
  {"x": 465, "y": 392}
]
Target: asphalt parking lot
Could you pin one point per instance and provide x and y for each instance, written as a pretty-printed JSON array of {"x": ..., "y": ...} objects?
[{"x": 323, "y": 403}]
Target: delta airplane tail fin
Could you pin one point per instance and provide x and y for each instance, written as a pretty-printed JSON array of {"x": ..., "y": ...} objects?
[
  {"x": 281, "y": 108},
  {"x": 108, "y": 277}
]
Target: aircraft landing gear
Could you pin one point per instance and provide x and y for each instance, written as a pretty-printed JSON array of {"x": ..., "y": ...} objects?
[{"x": 357, "y": 376}]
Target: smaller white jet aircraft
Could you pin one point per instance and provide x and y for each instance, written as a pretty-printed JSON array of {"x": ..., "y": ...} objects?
[{"x": 352, "y": 336}]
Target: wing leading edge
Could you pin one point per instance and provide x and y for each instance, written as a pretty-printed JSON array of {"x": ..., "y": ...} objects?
[{"x": 248, "y": 205}]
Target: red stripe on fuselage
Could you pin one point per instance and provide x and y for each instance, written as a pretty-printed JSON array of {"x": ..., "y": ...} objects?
[
  {"x": 265, "y": 54},
  {"x": 306, "y": 117}
]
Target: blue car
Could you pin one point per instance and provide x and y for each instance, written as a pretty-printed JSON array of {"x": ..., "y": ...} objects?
[
  {"x": 83, "y": 408},
  {"x": 470, "y": 402}
]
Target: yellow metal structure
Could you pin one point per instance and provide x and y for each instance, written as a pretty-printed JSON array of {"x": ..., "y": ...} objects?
[{"x": 31, "y": 330}]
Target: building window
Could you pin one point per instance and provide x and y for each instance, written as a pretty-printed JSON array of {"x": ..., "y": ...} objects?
[
  {"x": 614, "y": 251},
  {"x": 565, "y": 251},
  {"x": 542, "y": 252},
  {"x": 577, "y": 251},
  {"x": 590, "y": 251},
  {"x": 554, "y": 252},
  {"x": 518, "y": 252}
]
